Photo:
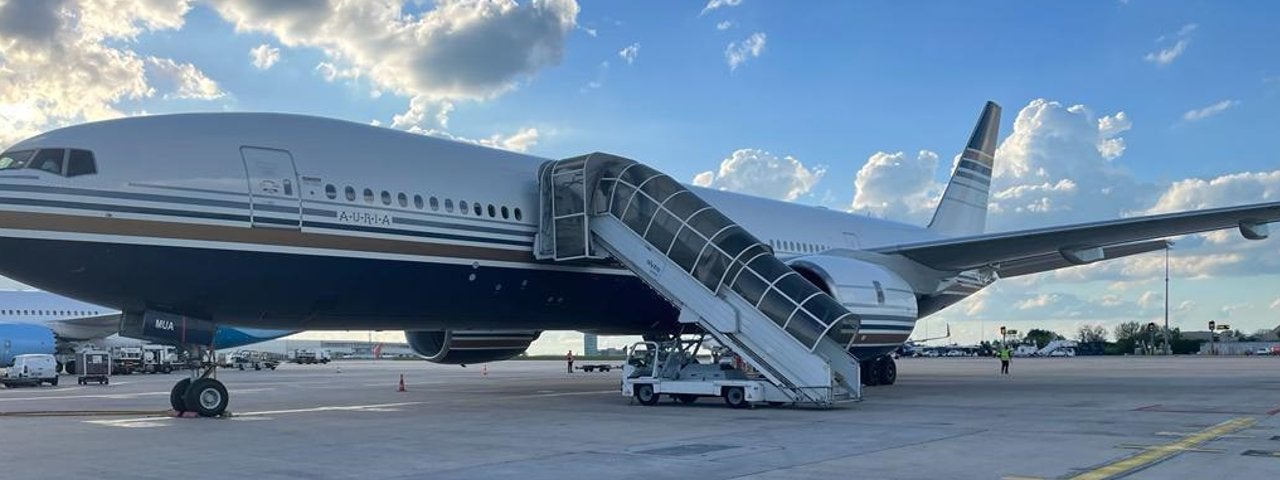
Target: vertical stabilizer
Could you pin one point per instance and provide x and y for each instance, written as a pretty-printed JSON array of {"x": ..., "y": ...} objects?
[{"x": 963, "y": 209}]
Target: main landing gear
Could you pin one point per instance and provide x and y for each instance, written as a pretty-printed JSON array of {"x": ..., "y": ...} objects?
[
  {"x": 202, "y": 394},
  {"x": 883, "y": 370}
]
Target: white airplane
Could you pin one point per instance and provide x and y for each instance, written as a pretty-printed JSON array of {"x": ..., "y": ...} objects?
[
  {"x": 41, "y": 322},
  {"x": 291, "y": 222}
]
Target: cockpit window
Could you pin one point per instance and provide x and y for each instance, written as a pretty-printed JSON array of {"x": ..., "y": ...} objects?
[
  {"x": 80, "y": 162},
  {"x": 15, "y": 160},
  {"x": 58, "y": 161},
  {"x": 49, "y": 160}
]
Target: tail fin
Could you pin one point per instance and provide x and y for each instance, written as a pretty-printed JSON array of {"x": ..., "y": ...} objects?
[{"x": 963, "y": 209}]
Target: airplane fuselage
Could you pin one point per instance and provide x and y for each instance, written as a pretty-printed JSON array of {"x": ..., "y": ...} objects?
[{"x": 290, "y": 222}]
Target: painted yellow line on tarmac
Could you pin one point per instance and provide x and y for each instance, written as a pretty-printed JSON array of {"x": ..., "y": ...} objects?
[{"x": 1157, "y": 453}]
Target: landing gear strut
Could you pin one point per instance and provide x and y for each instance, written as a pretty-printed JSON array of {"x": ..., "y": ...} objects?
[
  {"x": 883, "y": 370},
  {"x": 202, "y": 393}
]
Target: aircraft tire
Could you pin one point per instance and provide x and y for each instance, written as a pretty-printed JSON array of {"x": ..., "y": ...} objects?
[
  {"x": 888, "y": 371},
  {"x": 178, "y": 396},
  {"x": 870, "y": 374},
  {"x": 207, "y": 397}
]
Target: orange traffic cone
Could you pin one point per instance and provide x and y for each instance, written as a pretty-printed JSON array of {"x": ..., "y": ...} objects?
[{"x": 401, "y": 389}]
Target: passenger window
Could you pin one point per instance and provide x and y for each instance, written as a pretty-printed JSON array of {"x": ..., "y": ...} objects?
[
  {"x": 368, "y": 196},
  {"x": 448, "y": 205},
  {"x": 402, "y": 199},
  {"x": 331, "y": 191},
  {"x": 506, "y": 213},
  {"x": 49, "y": 160},
  {"x": 462, "y": 206},
  {"x": 492, "y": 212},
  {"x": 386, "y": 197},
  {"x": 435, "y": 204},
  {"x": 519, "y": 216},
  {"x": 81, "y": 162},
  {"x": 417, "y": 202},
  {"x": 15, "y": 160},
  {"x": 479, "y": 211},
  {"x": 351, "y": 193}
]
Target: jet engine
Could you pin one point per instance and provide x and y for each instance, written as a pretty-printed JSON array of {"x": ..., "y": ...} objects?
[
  {"x": 460, "y": 347},
  {"x": 883, "y": 301}
]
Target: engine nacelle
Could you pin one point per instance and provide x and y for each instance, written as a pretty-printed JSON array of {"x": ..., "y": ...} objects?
[
  {"x": 455, "y": 347},
  {"x": 883, "y": 301}
]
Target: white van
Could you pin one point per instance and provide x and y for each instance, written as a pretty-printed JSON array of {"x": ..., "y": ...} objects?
[{"x": 31, "y": 370}]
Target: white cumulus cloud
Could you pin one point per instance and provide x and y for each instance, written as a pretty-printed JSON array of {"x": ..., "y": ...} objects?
[
  {"x": 724, "y": 25},
  {"x": 737, "y": 53},
  {"x": 71, "y": 61},
  {"x": 264, "y": 56},
  {"x": 1057, "y": 166},
  {"x": 897, "y": 186},
  {"x": 187, "y": 80},
  {"x": 761, "y": 173},
  {"x": 456, "y": 50},
  {"x": 1209, "y": 111},
  {"x": 629, "y": 53}
]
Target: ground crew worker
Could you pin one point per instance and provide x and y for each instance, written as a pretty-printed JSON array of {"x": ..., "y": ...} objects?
[
  {"x": 1004, "y": 355},
  {"x": 569, "y": 358}
]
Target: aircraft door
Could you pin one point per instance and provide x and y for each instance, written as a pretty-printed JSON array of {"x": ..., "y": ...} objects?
[
  {"x": 851, "y": 240},
  {"x": 275, "y": 199}
]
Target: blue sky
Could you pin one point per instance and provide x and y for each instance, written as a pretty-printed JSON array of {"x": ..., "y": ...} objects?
[{"x": 1130, "y": 107}]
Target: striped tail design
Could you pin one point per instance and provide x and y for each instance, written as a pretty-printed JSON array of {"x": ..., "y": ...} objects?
[{"x": 963, "y": 209}]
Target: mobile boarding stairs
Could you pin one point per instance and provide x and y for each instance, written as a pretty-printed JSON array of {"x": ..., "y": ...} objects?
[{"x": 723, "y": 280}]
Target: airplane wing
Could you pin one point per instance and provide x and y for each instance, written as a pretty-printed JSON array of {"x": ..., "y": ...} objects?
[
  {"x": 1055, "y": 260},
  {"x": 86, "y": 328},
  {"x": 1082, "y": 243}
]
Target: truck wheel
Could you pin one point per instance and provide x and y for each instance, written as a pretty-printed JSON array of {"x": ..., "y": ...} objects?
[
  {"x": 177, "y": 396},
  {"x": 167, "y": 369},
  {"x": 54, "y": 382},
  {"x": 71, "y": 367},
  {"x": 241, "y": 367},
  {"x": 207, "y": 397},
  {"x": 645, "y": 394},
  {"x": 736, "y": 397}
]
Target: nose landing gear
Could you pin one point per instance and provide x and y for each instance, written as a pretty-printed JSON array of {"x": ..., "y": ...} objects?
[{"x": 202, "y": 394}]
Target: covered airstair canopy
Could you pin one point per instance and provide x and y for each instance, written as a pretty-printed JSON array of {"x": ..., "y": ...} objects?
[{"x": 600, "y": 205}]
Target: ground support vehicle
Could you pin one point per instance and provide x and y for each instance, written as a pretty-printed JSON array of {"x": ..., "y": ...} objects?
[
  {"x": 671, "y": 368},
  {"x": 93, "y": 366},
  {"x": 31, "y": 370}
]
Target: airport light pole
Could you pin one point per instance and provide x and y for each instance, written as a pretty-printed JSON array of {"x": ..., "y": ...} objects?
[{"x": 1168, "y": 348}]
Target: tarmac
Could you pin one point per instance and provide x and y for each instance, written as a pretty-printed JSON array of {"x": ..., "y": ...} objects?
[{"x": 1087, "y": 418}]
